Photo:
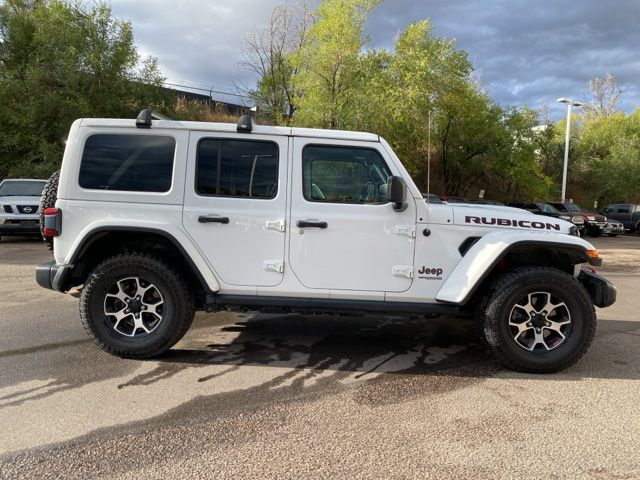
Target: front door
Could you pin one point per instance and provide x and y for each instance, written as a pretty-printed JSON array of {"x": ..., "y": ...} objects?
[
  {"x": 234, "y": 207},
  {"x": 344, "y": 235}
]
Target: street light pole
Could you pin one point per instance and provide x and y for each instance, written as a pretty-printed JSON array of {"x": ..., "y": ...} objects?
[{"x": 569, "y": 103}]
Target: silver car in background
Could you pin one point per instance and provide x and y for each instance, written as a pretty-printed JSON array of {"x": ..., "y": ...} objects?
[{"x": 19, "y": 206}]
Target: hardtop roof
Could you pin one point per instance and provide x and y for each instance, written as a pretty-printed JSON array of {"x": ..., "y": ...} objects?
[{"x": 232, "y": 128}]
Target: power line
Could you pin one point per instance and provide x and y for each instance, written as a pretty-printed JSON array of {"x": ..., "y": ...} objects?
[{"x": 208, "y": 90}]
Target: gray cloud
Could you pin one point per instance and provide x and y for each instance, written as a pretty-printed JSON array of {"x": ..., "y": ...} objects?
[{"x": 524, "y": 52}]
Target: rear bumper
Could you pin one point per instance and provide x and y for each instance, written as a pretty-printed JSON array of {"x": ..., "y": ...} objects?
[
  {"x": 602, "y": 291},
  {"x": 52, "y": 276},
  {"x": 19, "y": 227}
]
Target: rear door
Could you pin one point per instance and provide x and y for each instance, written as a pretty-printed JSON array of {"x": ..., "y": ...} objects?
[
  {"x": 345, "y": 235},
  {"x": 234, "y": 207}
]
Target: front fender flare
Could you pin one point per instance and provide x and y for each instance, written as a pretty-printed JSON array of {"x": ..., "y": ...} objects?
[{"x": 484, "y": 255}]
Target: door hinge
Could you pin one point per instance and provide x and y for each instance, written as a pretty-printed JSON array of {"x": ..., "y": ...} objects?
[
  {"x": 408, "y": 230},
  {"x": 273, "y": 266},
  {"x": 402, "y": 271},
  {"x": 277, "y": 225}
]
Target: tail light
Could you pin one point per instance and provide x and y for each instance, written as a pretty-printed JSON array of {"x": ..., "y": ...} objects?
[{"x": 52, "y": 222}]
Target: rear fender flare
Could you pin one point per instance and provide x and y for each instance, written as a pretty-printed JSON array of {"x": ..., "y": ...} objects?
[{"x": 192, "y": 256}]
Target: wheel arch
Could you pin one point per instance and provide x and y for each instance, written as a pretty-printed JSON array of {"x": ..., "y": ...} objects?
[
  {"x": 103, "y": 242},
  {"x": 489, "y": 257}
]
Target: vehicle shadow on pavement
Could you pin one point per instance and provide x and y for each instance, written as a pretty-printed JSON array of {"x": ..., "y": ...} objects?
[{"x": 361, "y": 346}]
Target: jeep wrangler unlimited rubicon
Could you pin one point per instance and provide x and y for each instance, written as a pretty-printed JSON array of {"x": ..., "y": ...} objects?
[{"x": 154, "y": 219}]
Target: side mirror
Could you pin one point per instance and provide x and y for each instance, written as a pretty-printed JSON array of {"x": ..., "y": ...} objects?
[{"x": 396, "y": 193}]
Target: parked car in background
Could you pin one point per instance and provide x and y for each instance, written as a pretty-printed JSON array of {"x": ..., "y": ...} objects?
[
  {"x": 452, "y": 199},
  {"x": 593, "y": 223},
  {"x": 613, "y": 228},
  {"x": 541, "y": 208},
  {"x": 19, "y": 206},
  {"x": 432, "y": 197},
  {"x": 484, "y": 201},
  {"x": 627, "y": 213}
]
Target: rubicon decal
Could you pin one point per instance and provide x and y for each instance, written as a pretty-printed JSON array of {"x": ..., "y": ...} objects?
[
  {"x": 508, "y": 222},
  {"x": 428, "y": 273}
]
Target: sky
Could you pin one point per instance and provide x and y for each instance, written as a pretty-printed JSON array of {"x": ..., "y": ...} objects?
[{"x": 524, "y": 51}]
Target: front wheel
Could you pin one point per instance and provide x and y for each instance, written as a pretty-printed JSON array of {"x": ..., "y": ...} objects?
[
  {"x": 136, "y": 306},
  {"x": 595, "y": 232},
  {"x": 538, "y": 320}
]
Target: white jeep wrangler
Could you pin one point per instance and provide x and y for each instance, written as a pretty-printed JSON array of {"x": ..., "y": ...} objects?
[{"x": 157, "y": 218}]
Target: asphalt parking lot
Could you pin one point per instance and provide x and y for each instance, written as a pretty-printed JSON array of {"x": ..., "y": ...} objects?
[{"x": 267, "y": 396}]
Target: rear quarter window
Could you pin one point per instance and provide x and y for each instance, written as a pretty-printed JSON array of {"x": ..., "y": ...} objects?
[{"x": 121, "y": 162}]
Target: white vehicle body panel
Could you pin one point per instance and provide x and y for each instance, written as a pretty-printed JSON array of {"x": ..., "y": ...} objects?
[
  {"x": 362, "y": 244},
  {"x": 247, "y": 250}
]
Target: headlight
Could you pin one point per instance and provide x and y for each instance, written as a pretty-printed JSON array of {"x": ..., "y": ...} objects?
[
  {"x": 605, "y": 219},
  {"x": 577, "y": 219}
]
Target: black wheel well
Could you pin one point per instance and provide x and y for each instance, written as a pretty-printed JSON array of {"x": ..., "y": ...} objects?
[{"x": 102, "y": 244}]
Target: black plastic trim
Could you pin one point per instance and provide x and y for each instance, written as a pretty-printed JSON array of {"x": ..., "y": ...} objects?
[
  {"x": 329, "y": 305},
  {"x": 52, "y": 276},
  {"x": 466, "y": 244},
  {"x": 602, "y": 291}
]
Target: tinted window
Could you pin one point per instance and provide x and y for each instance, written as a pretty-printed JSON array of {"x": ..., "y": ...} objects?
[
  {"x": 624, "y": 210},
  {"x": 141, "y": 163},
  {"x": 344, "y": 175},
  {"x": 237, "y": 168}
]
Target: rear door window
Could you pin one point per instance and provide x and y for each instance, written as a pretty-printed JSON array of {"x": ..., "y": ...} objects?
[
  {"x": 139, "y": 163},
  {"x": 237, "y": 168}
]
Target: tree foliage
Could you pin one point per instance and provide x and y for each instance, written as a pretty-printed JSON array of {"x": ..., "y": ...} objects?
[{"x": 60, "y": 61}]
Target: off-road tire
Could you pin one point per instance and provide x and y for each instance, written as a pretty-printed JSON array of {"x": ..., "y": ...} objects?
[
  {"x": 175, "y": 290},
  {"x": 48, "y": 200},
  {"x": 508, "y": 289}
]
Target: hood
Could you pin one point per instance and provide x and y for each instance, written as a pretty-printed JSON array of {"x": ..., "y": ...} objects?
[
  {"x": 496, "y": 216},
  {"x": 13, "y": 200}
]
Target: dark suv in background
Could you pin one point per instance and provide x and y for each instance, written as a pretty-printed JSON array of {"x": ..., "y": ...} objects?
[
  {"x": 594, "y": 223},
  {"x": 540, "y": 208},
  {"x": 626, "y": 213}
]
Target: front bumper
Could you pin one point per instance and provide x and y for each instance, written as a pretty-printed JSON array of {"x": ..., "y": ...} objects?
[
  {"x": 602, "y": 291},
  {"x": 52, "y": 276},
  {"x": 595, "y": 225},
  {"x": 12, "y": 226},
  {"x": 617, "y": 229}
]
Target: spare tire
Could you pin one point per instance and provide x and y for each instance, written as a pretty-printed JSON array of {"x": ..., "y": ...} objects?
[{"x": 48, "y": 200}]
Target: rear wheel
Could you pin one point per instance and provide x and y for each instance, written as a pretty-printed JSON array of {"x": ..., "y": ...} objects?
[
  {"x": 538, "y": 320},
  {"x": 136, "y": 306}
]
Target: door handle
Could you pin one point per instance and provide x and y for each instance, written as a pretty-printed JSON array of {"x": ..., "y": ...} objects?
[
  {"x": 311, "y": 223},
  {"x": 212, "y": 219}
]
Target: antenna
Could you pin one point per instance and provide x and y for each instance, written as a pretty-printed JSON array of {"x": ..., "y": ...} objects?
[{"x": 429, "y": 166}]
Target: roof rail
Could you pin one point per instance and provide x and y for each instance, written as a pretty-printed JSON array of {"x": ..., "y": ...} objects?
[{"x": 144, "y": 118}]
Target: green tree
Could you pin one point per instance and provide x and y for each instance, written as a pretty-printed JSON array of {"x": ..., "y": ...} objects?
[
  {"x": 328, "y": 61},
  {"x": 60, "y": 61}
]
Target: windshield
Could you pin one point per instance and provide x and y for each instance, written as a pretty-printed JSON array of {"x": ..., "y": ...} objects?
[
  {"x": 543, "y": 207},
  {"x": 10, "y": 188},
  {"x": 572, "y": 207}
]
